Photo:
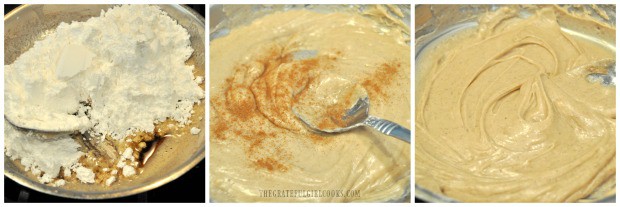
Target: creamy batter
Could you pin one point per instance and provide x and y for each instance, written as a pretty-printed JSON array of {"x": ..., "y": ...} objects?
[
  {"x": 257, "y": 143},
  {"x": 326, "y": 101},
  {"x": 504, "y": 113}
]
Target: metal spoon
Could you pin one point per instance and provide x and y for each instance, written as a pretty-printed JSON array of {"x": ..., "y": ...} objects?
[
  {"x": 104, "y": 148},
  {"x": 100, "y": 147},
  {"x": 358, "y": 116},
  {"x": 40, "y": 126},
  {"x": 608, "y": 78},
  {"x": 355, "y": 116}
]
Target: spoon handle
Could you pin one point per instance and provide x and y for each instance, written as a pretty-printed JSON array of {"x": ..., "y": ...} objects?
[{"x": 389, "y": 128}]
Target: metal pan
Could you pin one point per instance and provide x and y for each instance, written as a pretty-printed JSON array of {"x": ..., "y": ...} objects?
[{"x": 173, "y": 157}]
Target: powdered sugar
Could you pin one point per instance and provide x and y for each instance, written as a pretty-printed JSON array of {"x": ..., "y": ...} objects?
[
  {"x": 110, "y": 180},
  {"x": 85, "y": 175},
  {"x": 199, "y": 79},
  {"x": 136, "y": 77},
  {"x": 128, "y": 171},
  {"x": 194, "y": 130},
  {"x": 35, "y": 152},
  {"x": 44, "y": 157},
  {"x": 112, "y": 75},
  {"x": 126, "y": 161},
  {"x": 59, "y": 182},
  {"x": 127, "y": 154}
]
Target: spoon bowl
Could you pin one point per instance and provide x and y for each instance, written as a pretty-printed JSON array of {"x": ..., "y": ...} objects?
[
  {"x": 357, "y": 116},
  {"x": 48, "y": 124},
  {"x": 603, "y": 71}
]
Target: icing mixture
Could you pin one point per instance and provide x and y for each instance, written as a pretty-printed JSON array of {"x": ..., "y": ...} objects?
[
  {"x": 117, "y": 80},
  {"x": 504, "y": 111},
  {"x": 259, "y": 149},
  {"x": 326, "y": 100}
]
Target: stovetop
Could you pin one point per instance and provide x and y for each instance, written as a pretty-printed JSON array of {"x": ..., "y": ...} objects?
[{"x": 188, "y": 188}]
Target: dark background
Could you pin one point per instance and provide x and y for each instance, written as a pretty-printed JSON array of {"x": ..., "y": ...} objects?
[{"x": 188, "y": 188}]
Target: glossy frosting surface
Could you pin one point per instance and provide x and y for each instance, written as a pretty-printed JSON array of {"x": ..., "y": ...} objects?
[{"x": 504, "y": 113}]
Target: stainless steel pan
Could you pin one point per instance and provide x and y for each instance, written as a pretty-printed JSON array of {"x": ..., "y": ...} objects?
[{"x": 173, "y": 157}]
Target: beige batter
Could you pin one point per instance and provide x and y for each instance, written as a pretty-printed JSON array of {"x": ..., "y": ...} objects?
[
  {"x": 257, "y": 143},
  {"x": 326, "y": 101},
  {"x": 504, "y": 113}
]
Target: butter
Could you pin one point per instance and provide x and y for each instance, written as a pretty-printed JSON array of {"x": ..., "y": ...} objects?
[{"x": 73, "y": 59}]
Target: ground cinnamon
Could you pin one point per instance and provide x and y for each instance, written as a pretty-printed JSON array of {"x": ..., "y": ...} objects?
[
  {"x": 376, "y": 83},
  {"x": 270, "y": 164},
  {"x": 257, "y": 111},
  {"x": 261, "y": 126}
]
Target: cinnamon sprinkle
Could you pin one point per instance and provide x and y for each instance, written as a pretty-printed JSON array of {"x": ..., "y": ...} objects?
[
  {"x": 219, "y": 128},
  {"x": 332, "y": 119},
  {"x": 257, "y": 111},
  {"x": 320, "y": 139},
  {"x": 270, "y": 164},
  {"x": 240, "y": 102},
  {"x": 375, "y": 84}
]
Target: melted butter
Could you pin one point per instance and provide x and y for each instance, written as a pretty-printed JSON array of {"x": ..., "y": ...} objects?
[
  {"x": 503, "y": 113},
  {"x": 256, "y": 141}
]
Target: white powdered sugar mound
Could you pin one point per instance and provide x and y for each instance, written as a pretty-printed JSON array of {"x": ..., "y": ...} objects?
[
  {"x": 128, "y": 64},
  {"x": 112, "y": 75},
  {"x": 42, "y": 156}
]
